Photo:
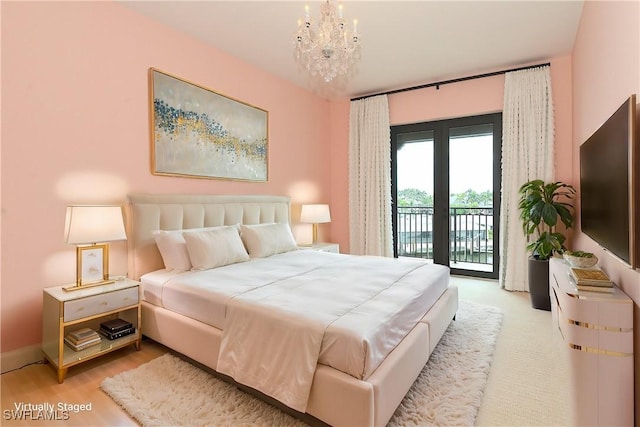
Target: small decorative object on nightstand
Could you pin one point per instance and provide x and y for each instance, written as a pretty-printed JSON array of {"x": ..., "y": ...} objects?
[
  {"x": 65, "y": 313},
  {"x": 323, "y": 247}
]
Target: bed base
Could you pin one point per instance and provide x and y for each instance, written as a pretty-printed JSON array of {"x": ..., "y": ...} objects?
[{"x": 336, "y": 398}]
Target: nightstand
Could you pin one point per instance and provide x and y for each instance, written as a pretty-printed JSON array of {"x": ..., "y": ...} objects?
[
  {"x": 323, "y": 247},
  {"x": 66, "y": 311}
]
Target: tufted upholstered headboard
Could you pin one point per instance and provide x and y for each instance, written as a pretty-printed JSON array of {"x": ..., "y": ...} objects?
[{"x": 149, "y": 212}]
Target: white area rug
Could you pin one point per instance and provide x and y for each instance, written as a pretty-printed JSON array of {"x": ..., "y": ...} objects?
[{"x": 169, "y": 391}]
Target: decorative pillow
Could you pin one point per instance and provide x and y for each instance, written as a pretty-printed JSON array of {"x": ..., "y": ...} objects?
[
  {"x": 263, "y": 240},
  {"x": 173, "y": 248},
  {"x": 215, "y": 248}
]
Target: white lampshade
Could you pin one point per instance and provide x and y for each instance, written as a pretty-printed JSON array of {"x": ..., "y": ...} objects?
[
  {"x": 315, "y": 214},
  {"x": 93, "y": 224}
]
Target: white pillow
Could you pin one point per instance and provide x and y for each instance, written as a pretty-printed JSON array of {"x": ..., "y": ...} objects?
[
  {"x": 263, "y": 240},
  {"x": 215, "y": 248},
  {"x": 173, "y": 248}
]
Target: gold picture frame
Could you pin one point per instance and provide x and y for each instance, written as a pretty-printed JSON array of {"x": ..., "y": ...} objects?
[
  {"x": 92, "y": 267},
  {"x": 199, "y": 133},
  {"x": 93, "y": 264}
]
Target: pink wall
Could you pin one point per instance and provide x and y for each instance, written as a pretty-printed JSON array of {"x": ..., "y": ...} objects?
[
  {"x": 472, "y": 97},
  {"x": 339, "y": 170},
  {"x": 76, "y": 130},
  {"x": 606, "y": 70}
]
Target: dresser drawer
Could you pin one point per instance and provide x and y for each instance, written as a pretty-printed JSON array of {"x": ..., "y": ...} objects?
[{"x": 101, "y": 303}]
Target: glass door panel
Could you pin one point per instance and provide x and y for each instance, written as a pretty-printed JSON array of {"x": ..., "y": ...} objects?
[
  {"x": 415, "y": 195},
  {"x": 471, "y": 197}
]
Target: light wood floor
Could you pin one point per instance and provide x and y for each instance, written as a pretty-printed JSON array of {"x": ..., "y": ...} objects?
[{"x": 37, "y": 384}]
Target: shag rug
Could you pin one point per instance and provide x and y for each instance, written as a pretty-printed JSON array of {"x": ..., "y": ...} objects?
[{"x": 169, "y": 391}]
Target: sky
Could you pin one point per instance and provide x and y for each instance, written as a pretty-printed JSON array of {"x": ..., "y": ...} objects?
[{"x": 470, "y": 167}]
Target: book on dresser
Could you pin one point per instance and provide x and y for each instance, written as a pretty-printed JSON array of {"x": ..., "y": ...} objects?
[
  {"x": 82, "y": 338},
  {"x": 590, "y": 277},
  {"x": 604, "y": 289}
]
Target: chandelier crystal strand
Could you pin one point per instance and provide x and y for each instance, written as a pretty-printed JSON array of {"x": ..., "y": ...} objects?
[{"x": 330, "y": 49}]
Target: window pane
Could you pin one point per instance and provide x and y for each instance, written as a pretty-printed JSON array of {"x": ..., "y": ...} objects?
[{"x": 415, "y": 194}]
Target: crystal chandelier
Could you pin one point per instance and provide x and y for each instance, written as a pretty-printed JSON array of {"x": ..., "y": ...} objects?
[{"x": 329, "y": 50}]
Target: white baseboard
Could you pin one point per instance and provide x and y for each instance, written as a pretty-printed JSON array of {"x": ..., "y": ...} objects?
[{"x": 15, "y": 359}]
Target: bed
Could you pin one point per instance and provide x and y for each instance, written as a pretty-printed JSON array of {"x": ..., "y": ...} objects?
[{"x": 353, "y": 380}]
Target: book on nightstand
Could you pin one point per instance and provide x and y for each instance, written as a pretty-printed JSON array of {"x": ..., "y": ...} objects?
[
  {"x": 115, "y": 325},
  {"x": 592, "y": 277},
  {"x": 116, "y": 328},
  {"x": 82, "y": 338}
]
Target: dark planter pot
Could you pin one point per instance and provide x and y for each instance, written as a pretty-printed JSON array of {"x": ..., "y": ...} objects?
[{"x": 539, "y": 284}]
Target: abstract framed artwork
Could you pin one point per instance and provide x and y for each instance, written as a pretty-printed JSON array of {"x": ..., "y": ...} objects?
[{"x": 199, "y": 133}]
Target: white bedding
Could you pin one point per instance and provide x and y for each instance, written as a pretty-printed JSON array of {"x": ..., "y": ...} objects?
[{"x": 351, "y": 312}]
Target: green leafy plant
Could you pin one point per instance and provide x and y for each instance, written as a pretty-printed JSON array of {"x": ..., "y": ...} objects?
[{"x": 542, "y": 206}]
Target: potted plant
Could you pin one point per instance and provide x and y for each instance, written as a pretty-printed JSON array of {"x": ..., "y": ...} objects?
[{"x": 543, "y": 206}]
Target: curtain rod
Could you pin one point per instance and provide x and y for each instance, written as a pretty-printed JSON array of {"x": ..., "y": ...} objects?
[{"x": 444, "y": 82}]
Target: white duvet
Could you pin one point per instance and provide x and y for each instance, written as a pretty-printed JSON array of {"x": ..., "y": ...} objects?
[{"x": 284, "y": 314}]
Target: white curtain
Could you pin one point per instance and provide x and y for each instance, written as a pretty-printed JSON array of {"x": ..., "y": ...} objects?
[
  {"x": 370, "y": 177},
  {"x": 527, "y": 153}
]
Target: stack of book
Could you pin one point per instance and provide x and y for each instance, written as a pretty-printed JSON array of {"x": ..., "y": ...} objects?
[
  {"x": 591, "y": 279},
  {"x": 82, "y": 338},
  {"x": 116, "y": 328}
]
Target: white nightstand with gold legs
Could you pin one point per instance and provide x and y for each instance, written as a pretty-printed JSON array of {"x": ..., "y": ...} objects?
[{"x": 64, "y": 312}]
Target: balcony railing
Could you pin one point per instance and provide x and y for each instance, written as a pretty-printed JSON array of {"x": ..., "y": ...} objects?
[{"x": 470, "y": 234}]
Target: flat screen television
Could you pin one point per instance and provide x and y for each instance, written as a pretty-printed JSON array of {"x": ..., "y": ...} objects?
[{"x": 609, "y": 184}]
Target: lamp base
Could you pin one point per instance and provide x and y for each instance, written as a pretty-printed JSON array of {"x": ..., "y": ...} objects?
[{"x": 80, "y": 286}]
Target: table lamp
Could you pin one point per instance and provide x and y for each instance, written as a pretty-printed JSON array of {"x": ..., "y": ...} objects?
[
  {"x": 315, "y": 214},
  {"x": 90, "y": 227}
]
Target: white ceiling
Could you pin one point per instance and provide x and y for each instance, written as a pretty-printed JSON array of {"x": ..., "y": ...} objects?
[{"x": 404, "y": 43}]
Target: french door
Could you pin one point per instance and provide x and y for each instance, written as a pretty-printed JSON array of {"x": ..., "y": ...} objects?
[{"x": 446, "y": 192}]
